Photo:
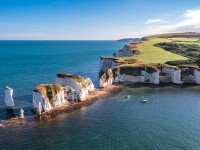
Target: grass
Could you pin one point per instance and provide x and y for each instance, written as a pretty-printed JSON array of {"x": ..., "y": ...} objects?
[
  {"x": 78, "y": 78},
  {"x": 49, "y": 91},
  {"x": 152, "y": 54},
  {"x": 186, "y": 40},
  {"x": 186, "y": 50}
]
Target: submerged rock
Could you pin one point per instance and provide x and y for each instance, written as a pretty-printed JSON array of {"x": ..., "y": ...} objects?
[
  {"x": 79, "y": 87},
  {"x": 9, "y": 97},
  {"x": 47, "y": 96}
]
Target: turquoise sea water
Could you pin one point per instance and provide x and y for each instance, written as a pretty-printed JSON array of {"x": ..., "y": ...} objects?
[{"x": 169, "y": 120}]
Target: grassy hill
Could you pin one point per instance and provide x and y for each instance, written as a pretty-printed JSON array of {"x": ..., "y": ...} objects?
[{"x": 173, "y": 49}]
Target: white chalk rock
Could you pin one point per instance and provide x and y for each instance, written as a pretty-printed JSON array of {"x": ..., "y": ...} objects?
[
  {"x": 106, "y": 79},
  {"x": 77, "y": 83},
  {"x": 171, "y": 75},
  {"x": 197, "y": 76},
  {"x": 129, "y": 74},
  {"x": 107, "y": 63},
  {"x": 21, "y": 113},
  {"x": 126, "y": 51},
  {"x": 48, "y": 96},
  {"x": 39, "y": 109},
  {"x": 9, "y": 97},
  {"x": 90, "y": 85},
  {"x": 70, "y": 94}
]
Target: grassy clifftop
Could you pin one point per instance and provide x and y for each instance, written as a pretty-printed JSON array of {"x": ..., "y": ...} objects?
[{"x": 173, "y": 49}]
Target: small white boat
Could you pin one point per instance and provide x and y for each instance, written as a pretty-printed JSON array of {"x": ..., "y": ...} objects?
[
  {"x": 127, "y": 97},
  {"x": 143, "y": 101}
]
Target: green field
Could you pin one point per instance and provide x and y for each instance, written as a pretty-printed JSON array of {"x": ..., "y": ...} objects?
[
  {"x": 156, "y": 50},
  {"x": 152, "y": 54}
]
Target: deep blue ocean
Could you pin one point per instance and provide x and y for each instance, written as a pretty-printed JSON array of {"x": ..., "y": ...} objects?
[{"x": 169, "y": 120}]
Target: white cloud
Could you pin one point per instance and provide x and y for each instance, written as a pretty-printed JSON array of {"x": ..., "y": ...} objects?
[
  {"x": 190, "y": 22},
  {"x": 153, "y": 21}
]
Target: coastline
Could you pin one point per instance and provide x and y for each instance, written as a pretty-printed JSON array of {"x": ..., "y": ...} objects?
[{"x": 98, "y": 94}]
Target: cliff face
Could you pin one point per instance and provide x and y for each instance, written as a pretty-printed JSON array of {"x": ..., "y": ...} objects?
[
  {"x": 190, "y": 74},
  {"x": 197, "y": 76},
  {"x": 106, "y": 79},
  {"x": 79, "y": 87},
  {"x": 107, "y": 63},
  {"x": 126, "y": 51},
  {"x": 170, "y": 75},
  {"x": 149, "y": 74},
  {"x": 131, "y": 74},
  {"x": 48, "y": 96},
  {"x": 9, "y": 97}
]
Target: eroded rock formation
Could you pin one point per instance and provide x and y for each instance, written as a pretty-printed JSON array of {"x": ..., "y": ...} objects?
[
  {"x": 108, "y": 63},
  {"x": 126, "y": 51},
  {"x": 48, "y": 96},
  {"x": 76, "y": 86},
  {"x": 9, "y": 97},
  {"x": 131, "y": 74}
]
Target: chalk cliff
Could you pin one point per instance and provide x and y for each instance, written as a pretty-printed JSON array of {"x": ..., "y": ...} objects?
[
  {"x": 48, "y": 96},
  {"x": 170, "y": 75},
  {"x": 126, "y": 51},
  {"x": 79, "y": 87},
  {"x": 130, "y": 74},
  {"x": 9, "y": 97},
  {"x": 108, "y": 63},
  {"x": 190, "y": 74}
]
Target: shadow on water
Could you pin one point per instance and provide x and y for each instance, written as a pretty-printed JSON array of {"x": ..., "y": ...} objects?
[
  {"x": 10, "y": 113},
  {"x": 6, "y": 114}
]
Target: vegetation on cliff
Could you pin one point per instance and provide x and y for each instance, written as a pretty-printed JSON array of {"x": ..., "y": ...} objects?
[
  {"x": 49, "y": 91},
  {"x": 78, "y": 78},
  {"x": 186, "y": 50}
]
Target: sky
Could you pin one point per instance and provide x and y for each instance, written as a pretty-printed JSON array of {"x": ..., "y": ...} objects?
[{"x": 95, "y": 19}]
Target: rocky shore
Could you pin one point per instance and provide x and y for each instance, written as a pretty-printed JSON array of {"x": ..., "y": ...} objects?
[{"x": 97, "y": 94}]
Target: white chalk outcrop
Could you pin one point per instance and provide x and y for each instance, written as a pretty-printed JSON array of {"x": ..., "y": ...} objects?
[
  {"x": 9, "y": 97},
  {"x": 48, "y": 96},
  {"x": 126, "y": 51},
  {"x": 197, "y": 76},
  {"x": 108, "y": 63},
  {"x": 21, "y": 115},
  {"x": 129, "y": 74},
  {"x": 170, "y": 75},
  {"x": 79, "y": 87},
  {"x": 106, "y": 79}
]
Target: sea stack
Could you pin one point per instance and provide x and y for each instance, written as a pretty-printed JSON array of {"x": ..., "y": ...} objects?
[
  {"x": 47, "y": 96},
  {"x": 21, "y": 114},
  {"x": 9, "y": 98}
]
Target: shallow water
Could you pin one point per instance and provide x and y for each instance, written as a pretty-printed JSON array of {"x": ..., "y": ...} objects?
[{"x": 169, "y": 120}]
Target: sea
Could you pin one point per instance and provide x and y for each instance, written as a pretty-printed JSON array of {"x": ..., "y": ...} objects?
[{"x": 170, "y": 120}]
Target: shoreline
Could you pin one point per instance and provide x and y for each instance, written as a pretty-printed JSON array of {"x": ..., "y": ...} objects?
[{"x": 98, "y": 94}]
